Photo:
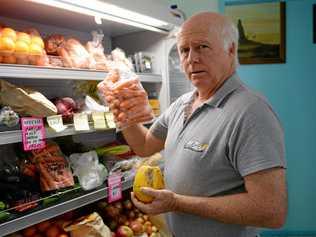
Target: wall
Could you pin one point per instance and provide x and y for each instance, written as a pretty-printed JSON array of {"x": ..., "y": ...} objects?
[{"x": 290, "y": 88}]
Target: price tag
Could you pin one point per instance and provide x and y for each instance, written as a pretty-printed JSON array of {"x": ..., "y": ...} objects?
[
  {"x": 81, "y": 122},
  {"x": 56, "y": 123},
  {"x": 33, "y": 133},
  {"x": 110, "y": 120},
  {"x": 98, "y": 120},
  {"x": 115, "y": 187}
]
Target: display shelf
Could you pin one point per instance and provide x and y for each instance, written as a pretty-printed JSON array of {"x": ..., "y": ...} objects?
[
  {"x": 34, "y": 72},
  {"x": 83, "y": 198},
  {"x": 15, "y": 136}
]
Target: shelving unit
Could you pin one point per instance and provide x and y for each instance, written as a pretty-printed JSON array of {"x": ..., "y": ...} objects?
[
  {"x": 83, "y": 198},
  {"x": 15, "y": 136},
  {"x": 59, "y": 82}
]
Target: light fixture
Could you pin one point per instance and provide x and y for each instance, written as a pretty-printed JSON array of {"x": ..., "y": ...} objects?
[
  {"x": 109, "y": 12},
  {"x": 98, "y": 20}
]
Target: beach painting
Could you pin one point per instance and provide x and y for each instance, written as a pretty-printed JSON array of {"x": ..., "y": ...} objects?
[{"x": 261, "y": 27}]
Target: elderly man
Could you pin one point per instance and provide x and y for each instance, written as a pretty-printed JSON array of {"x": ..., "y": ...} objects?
[{"x": 223, "y": 145}]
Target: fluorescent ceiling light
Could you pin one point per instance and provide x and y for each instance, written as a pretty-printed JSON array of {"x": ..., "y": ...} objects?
[{"x": 108, "y": 12}]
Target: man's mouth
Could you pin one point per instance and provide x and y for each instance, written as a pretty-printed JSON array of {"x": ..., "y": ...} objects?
[{"x": 196, "y": 72}]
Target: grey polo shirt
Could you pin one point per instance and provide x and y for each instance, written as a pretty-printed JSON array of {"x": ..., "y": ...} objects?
[{"x": 233, "y": 134}]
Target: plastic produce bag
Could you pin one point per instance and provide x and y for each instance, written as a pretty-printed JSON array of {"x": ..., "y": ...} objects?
[
  {"x": 53, "y": 168},
  {"x": 8, "y": 117},
  {"x": 122, "y": 90},
  {"x": 96, "y": 51},
  {"x": 87, "y": 168}
]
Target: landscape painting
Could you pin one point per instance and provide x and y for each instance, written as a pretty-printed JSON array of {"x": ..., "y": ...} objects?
[{"x": 261, "y": 29}]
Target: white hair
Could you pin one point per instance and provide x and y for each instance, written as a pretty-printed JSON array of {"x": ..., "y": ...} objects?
[{"x": 230, "y": 35}]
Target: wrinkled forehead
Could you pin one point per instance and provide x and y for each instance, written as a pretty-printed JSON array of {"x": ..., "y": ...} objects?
[{"x": 197, "y": 34}]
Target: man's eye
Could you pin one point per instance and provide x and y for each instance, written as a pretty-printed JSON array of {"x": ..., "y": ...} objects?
[
  {"x": 203, "y": 46},
  {"x": 184, "y": 51}
]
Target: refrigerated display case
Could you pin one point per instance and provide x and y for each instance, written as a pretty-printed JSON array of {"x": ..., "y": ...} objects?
[{"x": 78, "y": 19}]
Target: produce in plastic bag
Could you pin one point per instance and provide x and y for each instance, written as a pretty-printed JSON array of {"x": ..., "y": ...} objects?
[
  {"x": 96, "y": 51},
  {"x": 87, "y": 168},
  {"x": 8, "y": 117},
  {"x": 88, "y": 226},
  {"x": 53, "y": 168},
  {"x": 126, "y": 97}
]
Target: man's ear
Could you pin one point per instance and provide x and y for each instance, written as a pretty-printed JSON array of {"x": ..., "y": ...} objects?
[{"x": 232, "y": 49}]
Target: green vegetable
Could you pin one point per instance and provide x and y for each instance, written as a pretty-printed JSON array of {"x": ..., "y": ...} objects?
[
  {"x": 4, "y": 215},
  {"x": 2, "y": 206},
  {"x": 113, "y": 150}
]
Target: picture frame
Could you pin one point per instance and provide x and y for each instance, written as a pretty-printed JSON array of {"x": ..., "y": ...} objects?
[
  {"x": 314, "y": 23},
  {"x": 261, "y": 26}
]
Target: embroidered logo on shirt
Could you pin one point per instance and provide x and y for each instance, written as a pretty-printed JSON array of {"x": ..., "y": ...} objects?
[{"x": 195, "y": 146}]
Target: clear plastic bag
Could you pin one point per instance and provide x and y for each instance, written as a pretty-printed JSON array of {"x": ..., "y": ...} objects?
[
  {"x": 87, "y": 168},
  {"x": 125, "y": 95}
]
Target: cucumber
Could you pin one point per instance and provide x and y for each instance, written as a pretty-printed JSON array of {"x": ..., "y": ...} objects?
[{"x": 113, "y": 150}]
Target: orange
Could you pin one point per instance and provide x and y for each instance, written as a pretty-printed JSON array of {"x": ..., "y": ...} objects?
[
  {"x": 21, "y": 47},
  {"x": 21, "y": 36},
  {"x": 35, "y": 49},
  {"x": 7, "y": 44},
  {"x": 52, "y": 231},
  {"x": 29, "y": 232},
  {"x": 37, "y": 40},
  {"x": 11, "y": 59},
  {"x": 9, "y": 32}
]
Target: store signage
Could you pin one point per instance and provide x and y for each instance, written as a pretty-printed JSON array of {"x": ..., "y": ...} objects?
[
  {"x": 56, "y": 123},
  {"x": 33, "y": 133},
  {"x": 114, "y": 187},
  {"x": 81, "y": 122},
  {"x": 98, "y": 120}
]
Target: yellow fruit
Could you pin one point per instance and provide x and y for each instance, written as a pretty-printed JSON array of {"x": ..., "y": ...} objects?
[
  {"x": 35, "y": 49},
  {"x": 21, "y": 47},
  {"x": 147, "y": 176},
  {"x": 37, "y": 40},
  {"x": 7, "y": 44},
  {"x": 9, "y": 32},
  {"x": 21, "y": 36}
]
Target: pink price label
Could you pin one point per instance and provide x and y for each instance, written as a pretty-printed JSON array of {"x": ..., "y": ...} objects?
[
  {"x": 115, "y": 187},
  {"x": 33, "y": 133}
]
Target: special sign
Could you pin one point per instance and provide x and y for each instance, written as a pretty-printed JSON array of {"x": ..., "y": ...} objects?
[{"x": 33, "y": 133}]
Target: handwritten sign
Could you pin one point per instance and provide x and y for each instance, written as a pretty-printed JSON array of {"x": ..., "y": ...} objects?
[
  {"x": 33, "y": 133},
  {"x": 98, "y": 120},
  {"x": 81, "y": 122},
  {"x": 56, "y": 123},
  {"x": 115, "y": 187},
  {"x": 110, "y": 120}
]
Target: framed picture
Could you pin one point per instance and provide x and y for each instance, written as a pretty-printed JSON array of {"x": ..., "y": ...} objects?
[
  {"x": 261, "y": 26},
  {"x": 314, "y": 23}
]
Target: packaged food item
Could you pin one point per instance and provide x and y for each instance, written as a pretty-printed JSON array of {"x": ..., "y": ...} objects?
[
  {"x": 74, "y": 55},
  {"x": 123, "y": 92},
  {"x": 8, "y": 117},
  {"x": 86, "y": 167},
  {"x": 53, "y": 168},
  {"x": 53, "y": 43},
  {"x": 88, "y": 226},
  {"x": 25, "y": 102},
  {"x": 96, "y": 51}
]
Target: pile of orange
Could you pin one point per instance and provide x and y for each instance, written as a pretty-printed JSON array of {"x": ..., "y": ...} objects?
[{"x": 12, "y": 41}]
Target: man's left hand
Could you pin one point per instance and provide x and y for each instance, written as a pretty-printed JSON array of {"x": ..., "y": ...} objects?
[{"x": 164, "y": 201}]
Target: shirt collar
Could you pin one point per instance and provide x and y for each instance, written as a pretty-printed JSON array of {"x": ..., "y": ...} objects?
[{"x": 231, "y": 84}]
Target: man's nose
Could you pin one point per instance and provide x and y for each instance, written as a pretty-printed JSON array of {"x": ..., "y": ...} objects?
[{"x": 193, "y": 56}]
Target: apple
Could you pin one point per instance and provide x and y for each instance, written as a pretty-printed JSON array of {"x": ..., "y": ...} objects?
[
  {"x": 155, "y": 234},
  {"x": 112, "y": 211},
  {"x": 113, "y": 234},
  {"x": 154, "y": 228},
  {"x": 122, "y": 219},
  {"x": 124, "y": 231},
  {"x": 119, "y": 206},
  {"x": 136, "y": 227},
  {"x": 131, "y": 215},
  {"x": 145, "y": 217},
  {"x": 128, "y": 204},
  {"x": 140, "y": 220}
]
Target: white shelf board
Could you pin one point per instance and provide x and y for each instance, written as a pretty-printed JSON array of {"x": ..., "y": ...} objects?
[{"x": 34, "y": 72}]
